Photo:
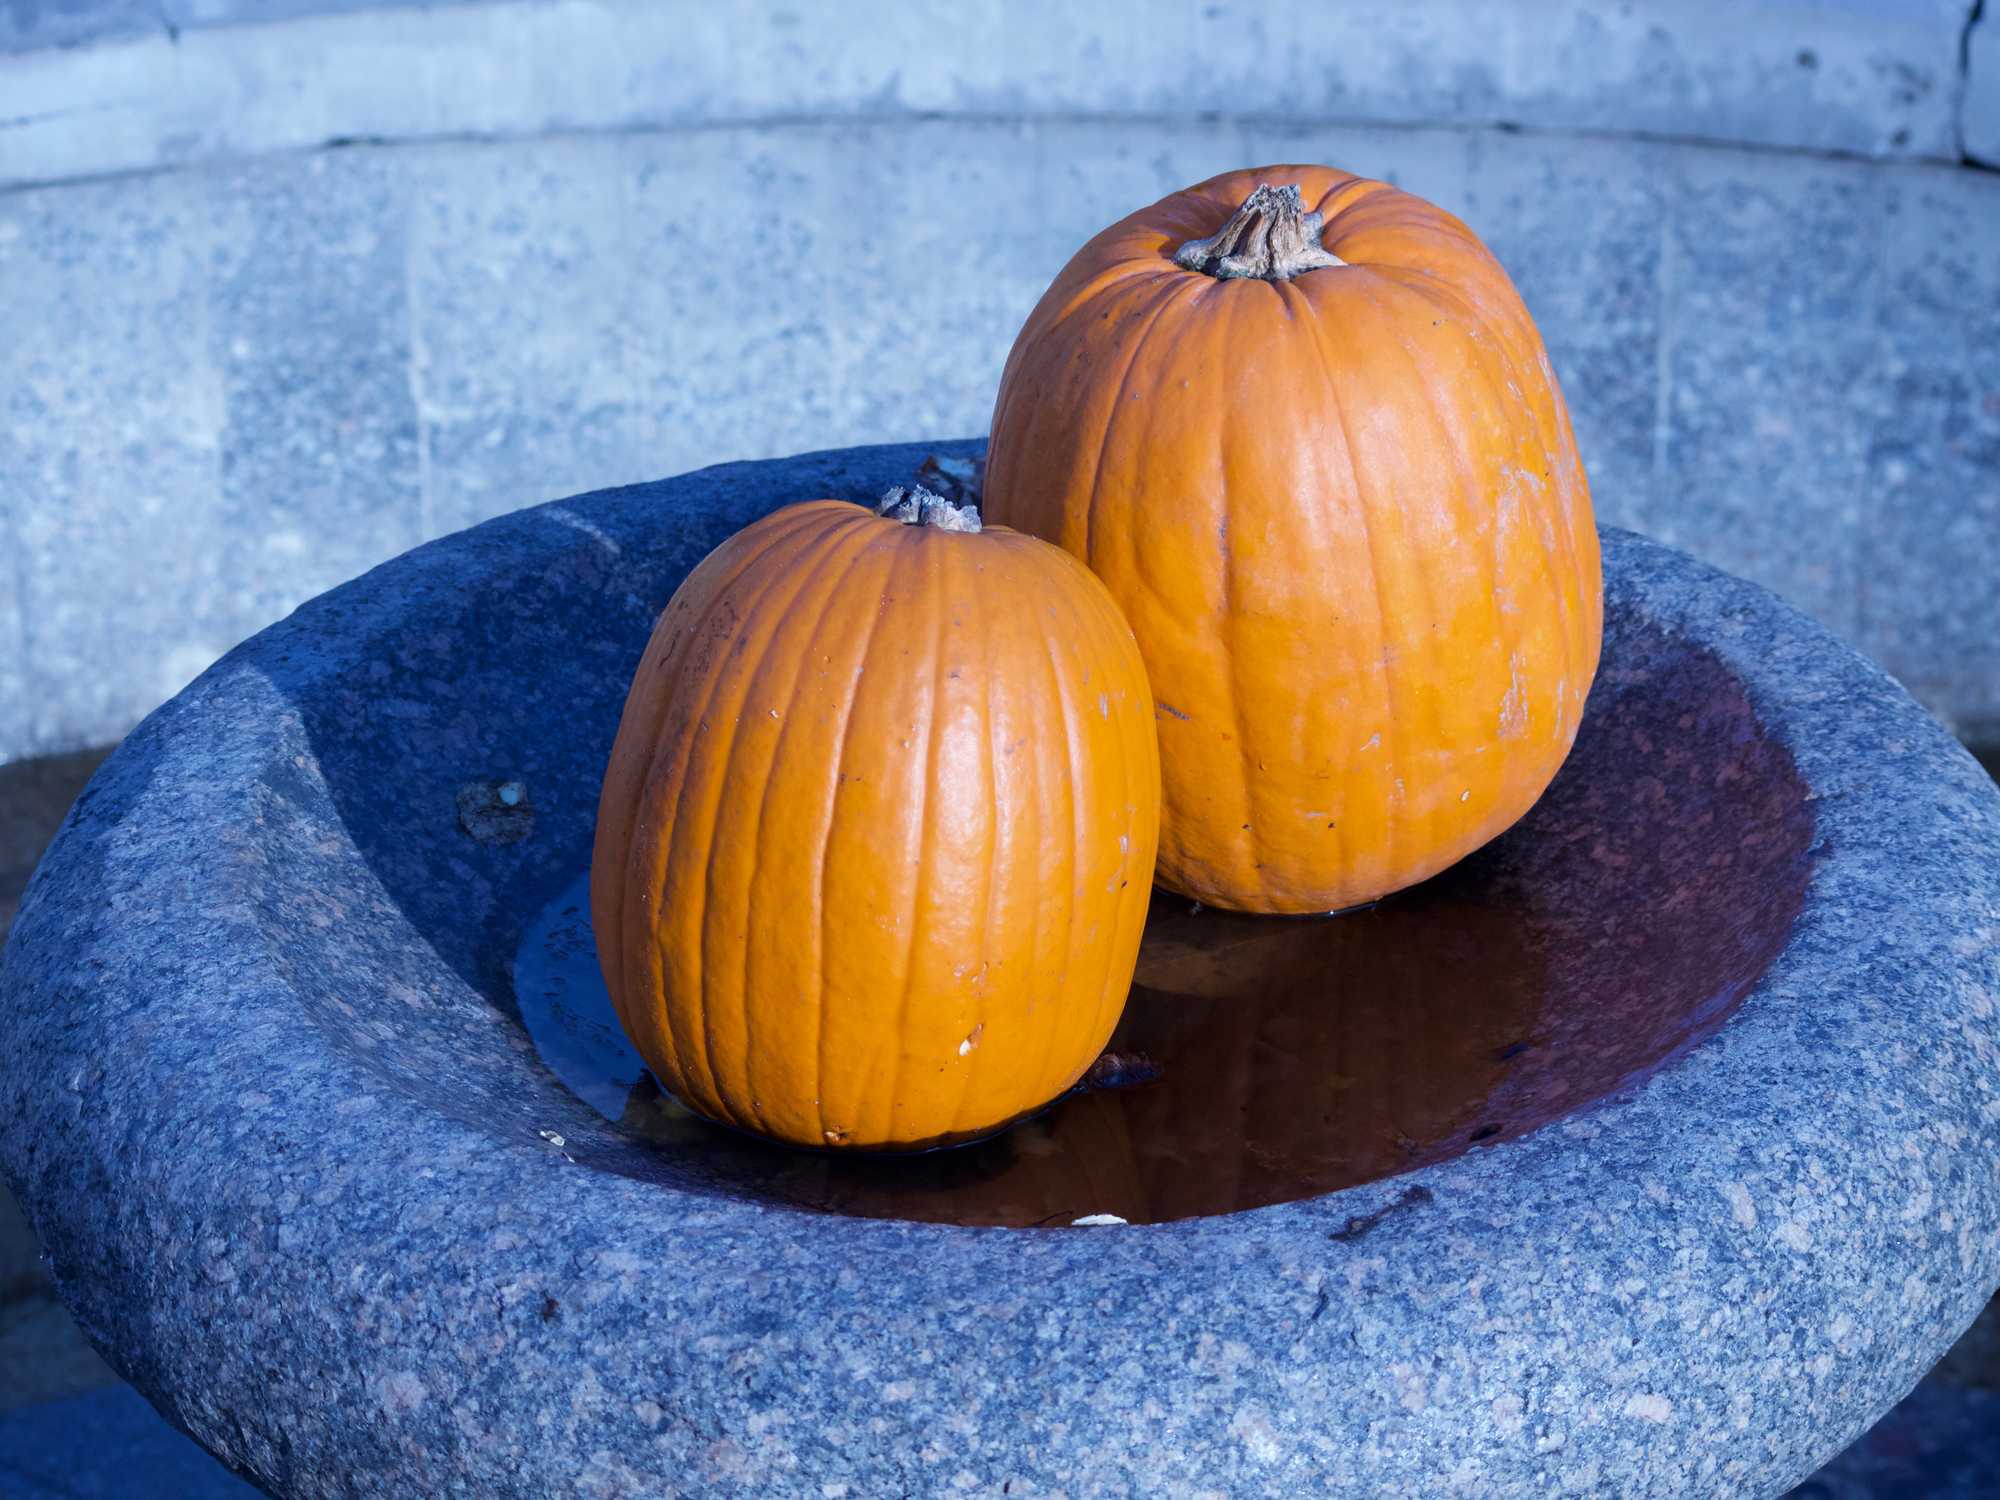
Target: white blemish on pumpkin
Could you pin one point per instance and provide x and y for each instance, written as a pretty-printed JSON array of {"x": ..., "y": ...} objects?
[
  {"x": 1103, "y": 706},
  {"x": 1372, "y": 741},
  {"x": 1514, "y": 705},
  {"x": 1466, "y": 795},
  {"x": 1089, "y": 1220},
  {"x": 966, "y": 1046},
  {"x": 1124, "y": 843}
]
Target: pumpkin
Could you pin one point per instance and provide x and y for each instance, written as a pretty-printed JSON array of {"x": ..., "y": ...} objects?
[
  {"x": 1290, "y": 1059},
  {"x": 1302, "y": 426},
  {"x": 875, "y": 844}
]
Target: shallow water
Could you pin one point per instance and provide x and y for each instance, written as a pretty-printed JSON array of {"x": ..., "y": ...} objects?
[{"x": 1619, "y": 924}]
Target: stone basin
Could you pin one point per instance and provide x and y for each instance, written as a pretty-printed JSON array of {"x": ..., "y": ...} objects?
[{"x": 1653, "y": 1151}]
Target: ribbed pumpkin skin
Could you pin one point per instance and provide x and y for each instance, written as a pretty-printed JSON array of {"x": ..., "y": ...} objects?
[
  {"x": 1345, "y": 517},
  {"x": 876, "y": 841}
]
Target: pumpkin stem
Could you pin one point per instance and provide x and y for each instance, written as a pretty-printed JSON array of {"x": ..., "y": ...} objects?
[
  {"x": 916, "y": 506},
  {"x": 1271, "y": 237}
]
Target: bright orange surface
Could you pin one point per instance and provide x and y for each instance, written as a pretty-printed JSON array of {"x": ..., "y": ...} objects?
[
  {"x": 876, "y": 841},
  {"x": 1345, "y": 517}
]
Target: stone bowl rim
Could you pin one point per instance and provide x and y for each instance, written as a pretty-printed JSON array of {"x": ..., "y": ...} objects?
[{"x": 1870, "y": 837}]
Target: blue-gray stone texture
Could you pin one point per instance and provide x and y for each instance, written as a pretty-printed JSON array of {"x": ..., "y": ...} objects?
[{"x": 284, "y": 1143}]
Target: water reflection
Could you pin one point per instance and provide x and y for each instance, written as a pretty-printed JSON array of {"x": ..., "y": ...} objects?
[{"x": 1620, "y": 924}]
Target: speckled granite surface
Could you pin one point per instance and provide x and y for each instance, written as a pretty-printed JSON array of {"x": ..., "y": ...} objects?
[{"x": 267, "y": 1105}]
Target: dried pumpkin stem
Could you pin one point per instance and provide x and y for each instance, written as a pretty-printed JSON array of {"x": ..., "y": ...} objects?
[
  {"x": 914, "y": 505},
  {"x": 1271, "y": 237}
]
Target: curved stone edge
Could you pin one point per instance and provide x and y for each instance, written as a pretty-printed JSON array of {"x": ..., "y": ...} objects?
[
  {"x": 1882, "y": 79},
  {"x": 1614, "y": 1248}
]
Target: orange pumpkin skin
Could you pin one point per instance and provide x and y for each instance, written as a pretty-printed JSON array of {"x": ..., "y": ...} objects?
[
  {"x": 1345, "y": 517},
  {"x": 875, "y": 844}
]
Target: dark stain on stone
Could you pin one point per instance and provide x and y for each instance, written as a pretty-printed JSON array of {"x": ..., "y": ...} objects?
[{"x": 1363, "y": 1224}]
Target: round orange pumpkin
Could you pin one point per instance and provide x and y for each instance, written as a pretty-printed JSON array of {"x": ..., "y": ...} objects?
[
  {"x": 875, "y": 844},
  {"x": 1301, "y": 424}
]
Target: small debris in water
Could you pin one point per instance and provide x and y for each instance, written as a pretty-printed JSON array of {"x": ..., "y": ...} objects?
[
  {"x": 1094, "y": 1219},
  {"x": 553, "y": 1139},
  {"x": 496, "y": 812}
]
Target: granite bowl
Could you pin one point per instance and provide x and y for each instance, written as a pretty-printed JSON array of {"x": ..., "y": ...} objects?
[{"x": 1703, "y": 1176}]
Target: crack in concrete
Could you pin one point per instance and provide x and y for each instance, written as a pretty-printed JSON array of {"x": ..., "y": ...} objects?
[
  {"x": 822, "y": 120},
  {"x": 16, "y": 121}
]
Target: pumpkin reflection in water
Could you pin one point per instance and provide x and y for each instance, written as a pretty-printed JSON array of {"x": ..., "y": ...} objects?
[
  {"x": 1294, "y": 1056},
  {"x": 1611, "y": 932}
]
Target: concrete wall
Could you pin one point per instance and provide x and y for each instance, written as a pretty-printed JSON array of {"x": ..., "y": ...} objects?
[
  {"x": 1979, "y": 111},
  {"x": 161, "y": 83},
  {"x": 248, "y": 366}
]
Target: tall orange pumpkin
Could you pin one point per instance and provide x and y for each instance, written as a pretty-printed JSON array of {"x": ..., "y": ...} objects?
[
  {"x": 875, "y": 845},
  {"x": 1302, "y": 426}
]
